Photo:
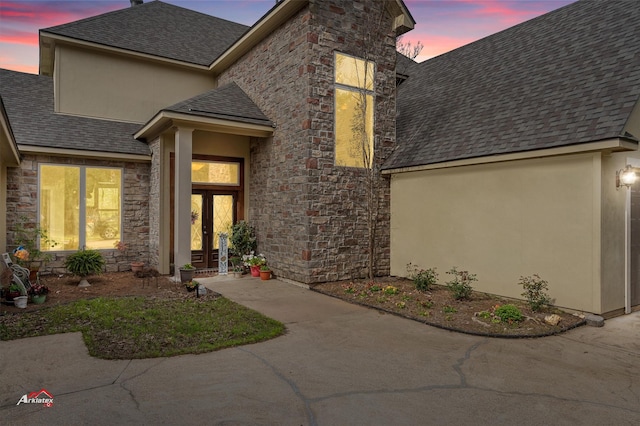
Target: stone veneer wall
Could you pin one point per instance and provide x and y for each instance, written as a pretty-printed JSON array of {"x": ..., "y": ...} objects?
[
  {"x": 22, "y": 200},
  {"x": 308, "y": 213}
]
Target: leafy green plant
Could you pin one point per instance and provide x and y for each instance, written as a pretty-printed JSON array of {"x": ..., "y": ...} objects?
[
  {"x": 535, "y": 292},
  {"x": 460, "y": 286},
  {"x": 423, "y": 279},
  {"x": 391, "y": 290},
  {"x": 375, "y": 288},
  {"x": 449, "y": 310},
  {"x": 30, "y": 239},
  {"x": 427, "y": 304},
  {"x": 188, "y": 266},
  {"x": 508, "y": 313},
  {"x": 85, "y": 262},
  {"x": 243, "y": 238}
]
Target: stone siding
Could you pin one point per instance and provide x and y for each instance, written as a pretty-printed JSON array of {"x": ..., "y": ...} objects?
[
  {"x": 309, "y": 214},
  {"x": 22, "y": 201}
]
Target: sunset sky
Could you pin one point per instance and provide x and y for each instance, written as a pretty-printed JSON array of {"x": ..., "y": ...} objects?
[{"x": 442, "y": 25}]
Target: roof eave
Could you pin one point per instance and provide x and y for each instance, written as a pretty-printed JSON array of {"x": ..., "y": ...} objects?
[
  {"x": 167, "y": 119},
  {"x": 8, "y": 146},
  {"x": 276, "y": 17},
  {"x": 403, "y": 20},
  {"x": 66, "y": 152},
  {"x": 48, "y": 43},
  {"x": 621, "y": 143}
]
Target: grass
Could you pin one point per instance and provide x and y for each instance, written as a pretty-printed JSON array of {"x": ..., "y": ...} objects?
[{"x": 138, "y": 327}]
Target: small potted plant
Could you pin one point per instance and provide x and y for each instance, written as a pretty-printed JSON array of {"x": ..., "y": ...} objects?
[
  {"x": 31, "y": 240},
  {"x": 265, "y": 272},
  {"x": 38, "y": 293},
  {"x": 238, "y": 271},
  {"x": 191, "y": 285},
  {"x": 122, "y": 247},
  {"x": 254, "y": 263},
  {"x": 186, "y": 272},
  {"x": 84, "y": 263}
]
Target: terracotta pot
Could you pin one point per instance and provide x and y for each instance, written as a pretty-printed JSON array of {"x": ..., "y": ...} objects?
[
  {"x": 265, "y": 275},
  {"x": 137, "y": 266},
  {"x": 255, "y": 271},
  {"x": 33, "y": 275}
]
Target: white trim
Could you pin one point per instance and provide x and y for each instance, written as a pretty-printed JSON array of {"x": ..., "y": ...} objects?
[
  {"x": 82, "y": 206},
  {"x": 615, "y": 144},
  {"x": 634, "y": 162},
  {"x": 267, "y": 24},
  {"x": 166, "y": 119},
  {"x": 65, "y": 152},
  {"x": 117, "y": 50}
]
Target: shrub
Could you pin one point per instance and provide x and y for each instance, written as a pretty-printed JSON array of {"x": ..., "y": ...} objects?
[
  {"x": 535, "y": 292},
  {"x": 243, "y": 238},
  {"x": 85, "y": 262},
  {"x": 508, "y": 313},
  {"x": 460, "y": 286},
  {"x": 423, "y": 279}
]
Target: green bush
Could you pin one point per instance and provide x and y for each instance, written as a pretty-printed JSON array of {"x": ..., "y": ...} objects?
[
  {"x": 460, "y": 286},
  {"x": 508, "y": 313},
  {"x": 423, "y": 279},
  {"x": 243, "y": 239},
  {"x": 535, "y": 292},
  {"x": 85, "y": 262}
]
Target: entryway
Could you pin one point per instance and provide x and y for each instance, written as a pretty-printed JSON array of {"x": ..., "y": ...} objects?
[{"x": 212, "y": 212}]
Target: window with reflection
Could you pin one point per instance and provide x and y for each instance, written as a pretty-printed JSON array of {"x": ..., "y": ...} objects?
[
  {"x": 353, "y": 111},
  {"x": 80, "y": 206}
]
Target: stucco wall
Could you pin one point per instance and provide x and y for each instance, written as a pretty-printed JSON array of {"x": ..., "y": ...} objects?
[
  {"x": 502, "y": 221},
  {"x": 308, "y": 213},
  {"x": 98, "y": 84}
]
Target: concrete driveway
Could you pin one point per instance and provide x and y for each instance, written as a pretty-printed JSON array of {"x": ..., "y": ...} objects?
[{"x": 338, "y": 364}]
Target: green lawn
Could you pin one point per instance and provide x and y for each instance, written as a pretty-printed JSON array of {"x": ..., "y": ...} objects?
[{"x": 138, "y": 327}]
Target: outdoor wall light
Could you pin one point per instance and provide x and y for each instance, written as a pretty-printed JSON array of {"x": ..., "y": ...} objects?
[{"x": 625, "y": 177}]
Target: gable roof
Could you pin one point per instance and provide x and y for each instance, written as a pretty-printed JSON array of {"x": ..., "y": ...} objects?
[
  {"x": 157, "y": 29},
  {"x": 227, "y": 102},
  {"x": 217, "y": 109},
  {"x": 28, "y": 99},
  {"x": 569, "y": 77}
]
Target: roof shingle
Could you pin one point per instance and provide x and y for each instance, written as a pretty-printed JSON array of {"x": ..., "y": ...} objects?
[
  {"x": 190, "y": 36},
  {"x": 568, "y": 77},
  {"x": 228, "y": 102},
  {"x": 28, "y": 99}
]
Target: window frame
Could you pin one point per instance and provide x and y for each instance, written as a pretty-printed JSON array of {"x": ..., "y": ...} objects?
[
  {"x": 358, "y": 90},
  {"x": 82, "y": 208}
]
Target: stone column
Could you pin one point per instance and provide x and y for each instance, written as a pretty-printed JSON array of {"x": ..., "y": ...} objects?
[{"x": 182, "y": 198}]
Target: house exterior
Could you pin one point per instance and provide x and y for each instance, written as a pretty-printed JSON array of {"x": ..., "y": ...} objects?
[
  {"x": 509, "y": 169},
  {"x": 160, "y": 127},
  {"x": 202, "y": 121}
]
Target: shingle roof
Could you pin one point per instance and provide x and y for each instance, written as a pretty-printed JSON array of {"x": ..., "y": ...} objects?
[
  {"x": 568, "y": 77},
  {"x": 158, "y": 29},
  {"x": 28, "y": 99},
  {"x": 227, "y": 102}
]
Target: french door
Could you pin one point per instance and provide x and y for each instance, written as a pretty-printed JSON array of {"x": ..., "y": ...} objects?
[{"x": 212, "y": 212}]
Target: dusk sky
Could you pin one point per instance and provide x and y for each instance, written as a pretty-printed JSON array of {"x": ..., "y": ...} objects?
[{"x": 442, "y": 25}]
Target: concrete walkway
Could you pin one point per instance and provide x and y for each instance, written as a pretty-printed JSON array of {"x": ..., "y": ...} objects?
[{"x": 338, "y": 364}]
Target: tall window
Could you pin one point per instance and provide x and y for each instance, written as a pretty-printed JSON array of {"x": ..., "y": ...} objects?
[
  {"x": 353, "y": 111},
  {"x": 81, "y": 206}
]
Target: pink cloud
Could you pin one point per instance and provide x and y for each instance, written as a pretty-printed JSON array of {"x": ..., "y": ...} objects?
[
  {"x": 42, "y": 14},
  {"x": 19, "y": 37}
]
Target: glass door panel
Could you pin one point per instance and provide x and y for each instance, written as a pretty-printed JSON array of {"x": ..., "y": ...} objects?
[
  {"x": 223, "y": 208},
  {"x": 197, "y": 240}
]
